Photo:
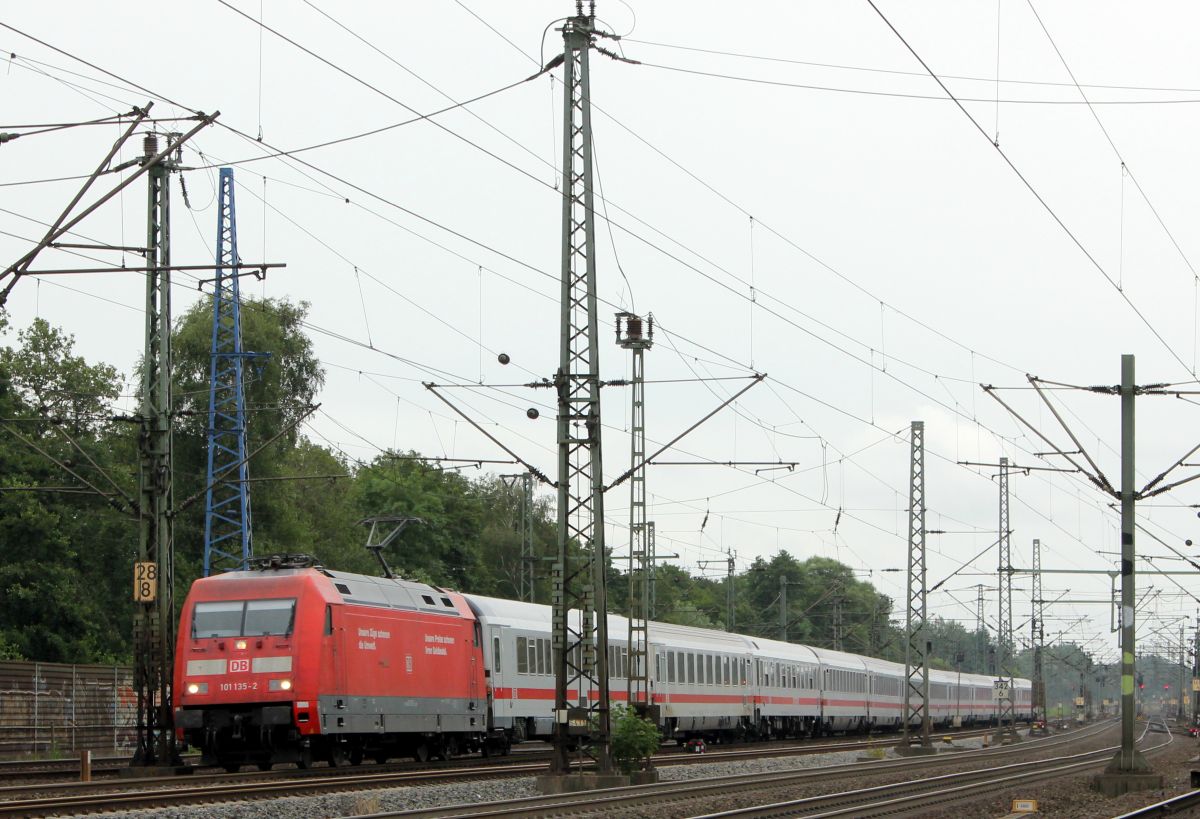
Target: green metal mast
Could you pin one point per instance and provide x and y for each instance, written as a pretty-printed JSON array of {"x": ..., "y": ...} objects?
[
  {"x": 579, "y": 604},
  {"x": 637, "y": 335},
  {"x": 154, "y": 617}
]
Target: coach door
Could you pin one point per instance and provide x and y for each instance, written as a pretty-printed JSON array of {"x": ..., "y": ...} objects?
[
  {"x": 477, "y": 650},
  {"x": 503, "y": 668}
]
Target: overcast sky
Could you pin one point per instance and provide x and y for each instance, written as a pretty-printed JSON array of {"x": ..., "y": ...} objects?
[{"x": 789, "y": 193}]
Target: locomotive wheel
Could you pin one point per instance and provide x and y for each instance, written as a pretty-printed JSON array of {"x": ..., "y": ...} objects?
[
  {"x": 380, "y": 758},
  {"x": 305, "y": 761},
  {"x": 265, "y": 766},
  {"x": 231, "y": 767},
  {"x": 356, "y": 756},
  {"x": 337, "y": 757},
  {"x": 421, "y": 753}
]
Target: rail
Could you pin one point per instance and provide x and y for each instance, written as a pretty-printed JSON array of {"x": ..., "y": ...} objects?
[{"x": 1168, "y": 807}]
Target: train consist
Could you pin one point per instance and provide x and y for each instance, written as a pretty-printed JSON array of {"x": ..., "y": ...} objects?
[{"x": 291, "y": 662}]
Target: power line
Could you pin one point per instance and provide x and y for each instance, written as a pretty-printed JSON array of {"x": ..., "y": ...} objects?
[
  {"x": 1029, "y": 185},
  {"x": 899, "y": 94},
  {"x": 320, "y": 170},
  {"x": 896, "y": 72}
]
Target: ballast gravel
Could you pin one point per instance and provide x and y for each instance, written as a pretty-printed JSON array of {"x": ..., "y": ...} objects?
[
  {"x": 1064, "y": 798},
  {"x": 431, "y": 796}
]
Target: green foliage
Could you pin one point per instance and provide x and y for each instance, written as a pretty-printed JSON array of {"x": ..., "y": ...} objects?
[
  {"x": 65, "y": 556},
  {"x": 288, "y": 515},
  {"x": 634, "y": 739}
]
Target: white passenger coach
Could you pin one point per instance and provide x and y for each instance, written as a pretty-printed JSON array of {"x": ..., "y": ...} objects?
[{"x": 720, "y": 685}]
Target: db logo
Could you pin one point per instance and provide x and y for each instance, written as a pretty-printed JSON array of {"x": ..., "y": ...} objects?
[{"x": 238, "y": 665}]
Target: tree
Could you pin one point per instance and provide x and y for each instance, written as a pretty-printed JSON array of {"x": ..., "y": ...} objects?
[
  {"x": 634, "y": 740},
  {"x": 280, "y": 389},
  {"x": 65, "y": 551}
]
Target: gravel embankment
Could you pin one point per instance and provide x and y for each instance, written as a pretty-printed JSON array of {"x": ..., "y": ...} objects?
[{"x": 1070, "y": 799}]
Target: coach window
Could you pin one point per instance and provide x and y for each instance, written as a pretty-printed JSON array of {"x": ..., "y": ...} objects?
[
  {"x": 681, "y": 671},
  {"x": 496, "y": 654},
  {"x": 522, "y": 656},
  {"x": 691, "y": 667},
  {"x": 670, "y": 666}
]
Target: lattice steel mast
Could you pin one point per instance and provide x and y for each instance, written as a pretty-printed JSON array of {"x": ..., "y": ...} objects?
[
  {"x": 637, "y": 336},
  {"x": 1037, "y": 625},
  {"x": 1007, "y": 724},
  {"x": 227, "y": 531},
  {"x": 916, "y": 660},
  {"x": 528, "y": 558},
  {"x": 581, "y": 698},
  {"x": 154, "y": 615},
  {"x": 528, "y": 564}
]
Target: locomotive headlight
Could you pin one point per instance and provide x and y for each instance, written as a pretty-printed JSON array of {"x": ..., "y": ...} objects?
[
  {"x": 240, "y": 645},
  {"x": 197, "y": 688},
  {"x": 280, "y": 685}
]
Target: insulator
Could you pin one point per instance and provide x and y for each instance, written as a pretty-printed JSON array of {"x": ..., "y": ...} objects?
[
  {"x": 503, "y": 358},
  {"x": 633, "y": 328},
  {"x": 150, "y": 145},
  {"x": 532, "y": 413}
]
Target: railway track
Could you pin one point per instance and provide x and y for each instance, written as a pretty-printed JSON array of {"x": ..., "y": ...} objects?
[
  {"x": 22, "y": 771},
  {"x": 921, "y": 795},
  {"x": 645, "y": 799},
  {"x": 159, "y": 792}
]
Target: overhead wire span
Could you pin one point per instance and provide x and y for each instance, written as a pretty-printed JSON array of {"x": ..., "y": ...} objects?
[
  {"x": 1108, "y": 137},
  {"x": 901, "y": 95},
  {"x": 896, "y": 72},
  {"x": 782, "y": 302},
  {"x": 344, "y": 182},
  {"x": 1029, "y": 185}
]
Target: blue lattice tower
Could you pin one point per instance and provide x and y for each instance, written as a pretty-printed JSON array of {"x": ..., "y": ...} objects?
[{"x": 227, "y": 543}]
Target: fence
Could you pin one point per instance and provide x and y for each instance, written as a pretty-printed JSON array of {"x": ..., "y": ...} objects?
[{"x": 52, "y": 708}]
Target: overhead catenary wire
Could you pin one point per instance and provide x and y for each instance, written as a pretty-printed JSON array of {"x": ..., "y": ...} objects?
[
  {"x": 1042, "y": 201},
  {"x": 891, "y": 71}
]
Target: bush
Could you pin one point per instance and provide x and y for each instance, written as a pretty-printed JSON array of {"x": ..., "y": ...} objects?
[{"x": 634, "y": 740}]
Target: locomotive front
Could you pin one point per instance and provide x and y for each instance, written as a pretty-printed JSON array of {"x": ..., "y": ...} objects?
[{"x": 245, "y": 678}]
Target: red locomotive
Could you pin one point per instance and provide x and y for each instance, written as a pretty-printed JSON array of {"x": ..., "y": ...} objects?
[{"x": 290, "y": 662}]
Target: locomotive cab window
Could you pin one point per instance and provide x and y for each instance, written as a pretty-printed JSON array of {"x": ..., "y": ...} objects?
[
  {"x": 243, "y": 618},
  {"x": 269, "y": 617}
]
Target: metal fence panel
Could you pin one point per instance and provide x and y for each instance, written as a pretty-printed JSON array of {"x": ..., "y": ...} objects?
[{"x": 48, "y": 709}]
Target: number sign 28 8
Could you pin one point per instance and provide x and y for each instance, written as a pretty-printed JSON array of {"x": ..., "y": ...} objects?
[{"x": 145, "y": 581}]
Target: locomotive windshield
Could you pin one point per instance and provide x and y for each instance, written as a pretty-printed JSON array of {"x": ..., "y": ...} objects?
[{"x": 243, "y": 618}]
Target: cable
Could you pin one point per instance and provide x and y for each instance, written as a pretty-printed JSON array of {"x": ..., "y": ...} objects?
[
  {"x": 320, "y": 170},
  {"x": 871, "y": 93},
  {"x": 1035, "y": 193},
  {"x": 742, "y": 55},
  {"x": 1124, "y": 166}
]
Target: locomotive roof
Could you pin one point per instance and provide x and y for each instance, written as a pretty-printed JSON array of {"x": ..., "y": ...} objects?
[
  {"x": 394, "y": 593},
  {"x": 364, "y": 590}
]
